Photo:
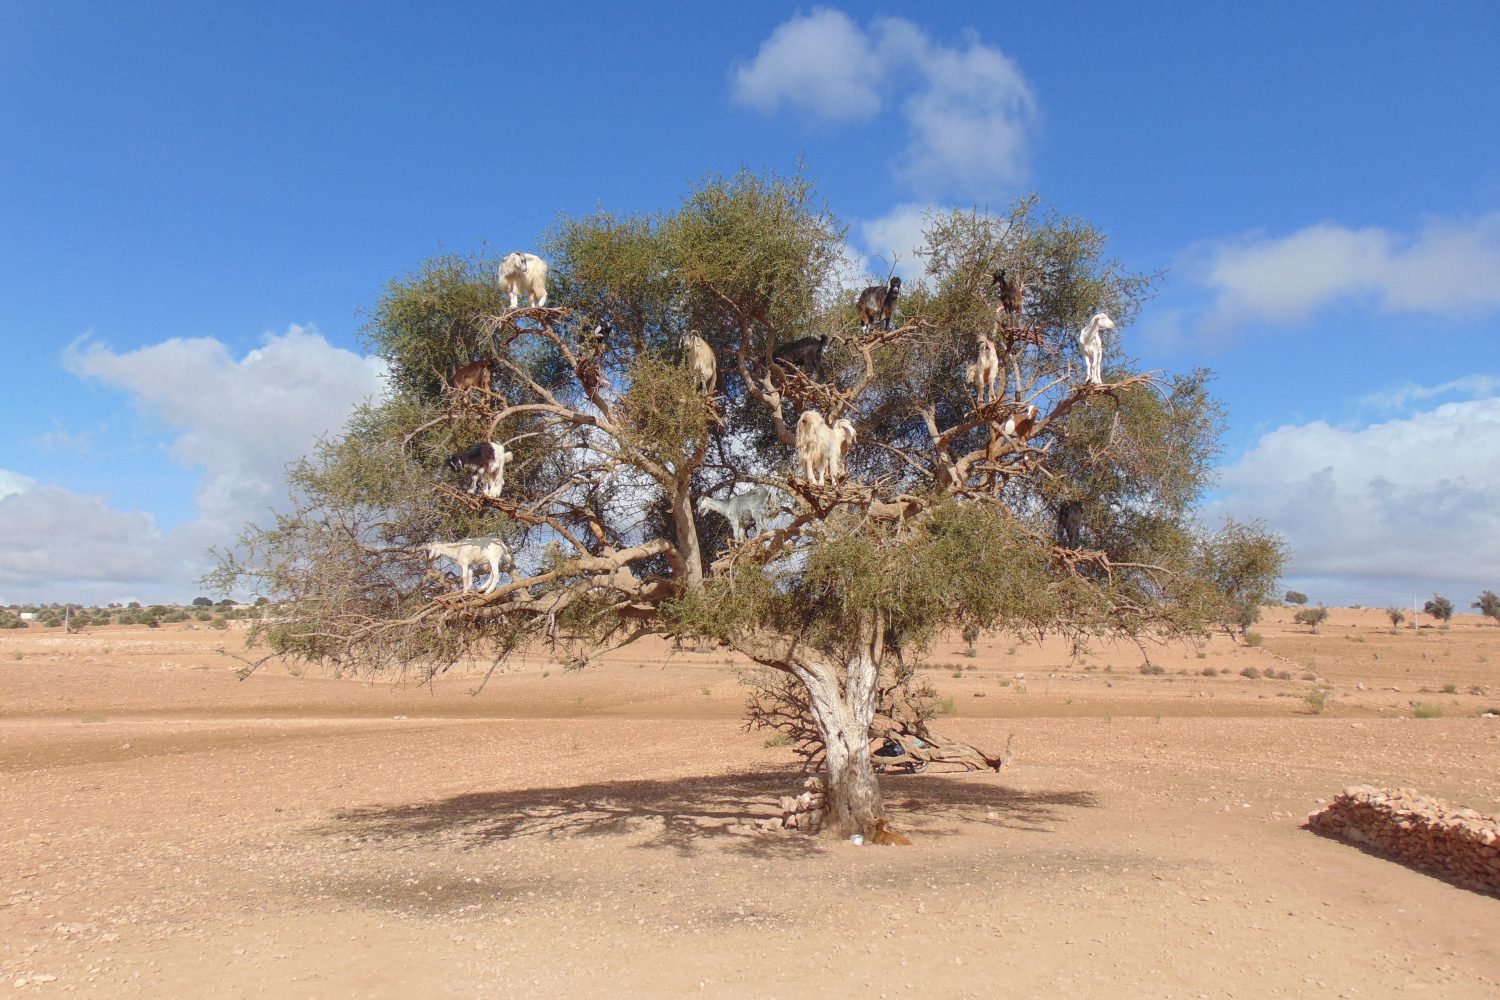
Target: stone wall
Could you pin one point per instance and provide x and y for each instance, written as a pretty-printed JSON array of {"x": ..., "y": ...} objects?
[{"x": 1424, "y": 832}]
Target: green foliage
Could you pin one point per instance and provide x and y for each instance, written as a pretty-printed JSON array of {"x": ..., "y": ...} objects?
[
  {"x": 749, "y": 263},
  {"x": 202, "y": 602},
  {"x": 1316, "y": 700},
  {"x": 1251, "y": 672},
  {"x": 1440, "y": 608},
  {"x": 1295, "y": 597},
  {"x": 1312, "y": 617},
  {"x": 1397, "y": 616},
  {"x": 1488, "y": 605},
  {"x": 1426, "y": 710}
]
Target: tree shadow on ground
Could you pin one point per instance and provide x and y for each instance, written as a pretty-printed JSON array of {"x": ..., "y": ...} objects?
[{"x": 681, "y": 814}]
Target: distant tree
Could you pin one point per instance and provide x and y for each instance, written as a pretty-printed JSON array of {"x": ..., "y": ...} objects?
[
  {"x": 1296, "y": 597},
  {"x": 261, "y": 602},
  {"x": 1243, "y": 561},
  {"x": 1313, "y": 617},
  {"x": 1397, "y": 616},
  {"x": 1488, "y": 605},
  {"x": 1440, "y": 608},
  {"x": 134, "y": 605},
  {"x": 225, "y": 603},
  {"x": 153, "y": 623},
  {"x": 202, "y": 602}
]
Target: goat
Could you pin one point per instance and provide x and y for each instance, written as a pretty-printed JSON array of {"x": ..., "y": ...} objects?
[
  {"x": 1012, "y": 294},
  {"x": 1070, "y": 523},
  {"x": 815, "y": 442},
  {"x": 1019, "y": 425},
  {"x": 468, "y": 552},
  {"x": 524, "y": 272},
  {"x": 838, "y": 448},
  {"x": 486, "y": 460},
  {"x": 476, "y": 375},
  {"x": 754, "y": 503},
  {"x": 984, "y": 373},
  {"x": 805, "y": 353},
  {"x": 700, "y": 359},
  {"x": 1091, "y": 340},
  {"x": 878, "y": 302}
]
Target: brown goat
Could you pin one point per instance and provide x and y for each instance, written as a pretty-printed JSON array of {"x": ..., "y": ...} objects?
[{"x": 475, "y": 375}]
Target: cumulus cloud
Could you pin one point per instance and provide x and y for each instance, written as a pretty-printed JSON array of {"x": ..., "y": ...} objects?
[
  {"x": 894, "y": 239},
  {"x": 1378, "y": 512},
  {"x": 238, "y": 421},
  {"x": 967, "y": 110},
  {"x": 1448, "y": 267},
  {"x": 821, "y": 64}
]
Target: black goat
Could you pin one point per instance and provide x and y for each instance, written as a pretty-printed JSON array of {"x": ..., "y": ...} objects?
[
  {"x": 1011, "y": 293},
  {"x": 878, "y": 302},
  {"x": 1070, "y": 523},
  {"x": 805, "y": 353}
]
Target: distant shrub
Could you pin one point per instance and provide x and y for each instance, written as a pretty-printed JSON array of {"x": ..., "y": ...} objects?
[
  {"x": 1423, "y": 710},
  {"x": 1440, "y": 608},
  {"x": 1152, "y": 669},
  {"x": 1312, "y": 617},
  {"x": 1254, "y": 639},
  {"x": 945, "y": 706},
  {"x": 1450, "y": 689},
  {"x": 218, "y": 622},
  {"x": 1488, "y": 605},
  {"x": 1251, "y": 672},
  {"x": 779, "y": 740},
  {"x": 1209, "y": 672},
  {"x": 1316, "y": 700}
]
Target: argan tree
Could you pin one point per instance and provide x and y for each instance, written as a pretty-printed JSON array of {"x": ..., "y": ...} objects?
[
  {"x": 1055, "y": 507},
  {"x": 1440, "y": 608},
  {"x": 1488, "y": 605}
]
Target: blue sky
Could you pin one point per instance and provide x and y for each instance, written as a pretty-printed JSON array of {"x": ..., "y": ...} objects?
[{"x": 196, "y": 201}]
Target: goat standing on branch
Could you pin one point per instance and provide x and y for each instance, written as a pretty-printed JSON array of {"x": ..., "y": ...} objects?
[
  {"x": 700, "y": 361},
  {"x": 1091, "y": 341},
  {"x": 1012, "y": 297},
  {"x": 754, "y": 504},
  {"x": 470, "y": 552},
  {"x": 486, "y": 461},
  {"x": 984, "y": 373},
  {"x": 475, "y": 375},
  {"x": 524, "y": 273},
  {"x": 805, "y": 353},
  {"x": 877, "y": 304}
]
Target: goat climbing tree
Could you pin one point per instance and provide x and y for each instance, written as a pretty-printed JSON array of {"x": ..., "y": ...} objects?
[{"x": 1074, "y": 517}]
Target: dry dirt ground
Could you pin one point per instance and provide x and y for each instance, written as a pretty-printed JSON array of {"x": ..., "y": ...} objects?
[{"x": 169, "y": 831}]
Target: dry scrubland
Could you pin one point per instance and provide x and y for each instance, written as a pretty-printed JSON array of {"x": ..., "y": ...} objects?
[{"x": 172, "y": 832}]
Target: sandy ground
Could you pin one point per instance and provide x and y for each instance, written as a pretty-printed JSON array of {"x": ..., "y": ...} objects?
[{"x": 171, "y": 832}]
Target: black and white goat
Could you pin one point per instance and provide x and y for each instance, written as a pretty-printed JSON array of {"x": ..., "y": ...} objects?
[
  {"x": 878, "y": 304},
  {"x": 486, "y": 462},
  {"x": 524, "y": 273}
]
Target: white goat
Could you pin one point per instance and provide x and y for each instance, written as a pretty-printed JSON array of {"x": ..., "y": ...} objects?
[
  {"x": 838, "y": 448},
  {"x": 984, "y": 373},
  {"x": 524, "y": 272},
  {"x": 468, "y": 552},
  {"x": 1091, "y": 340},
  {"x": 754, "y": 503},
  {"x": 700, "y": 359},
  {"x": 815, "y": 441},
  {"x": 486, "y": 461}
]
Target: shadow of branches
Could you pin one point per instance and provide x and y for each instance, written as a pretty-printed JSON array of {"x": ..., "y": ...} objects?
[{"x": 678, "y": 814}]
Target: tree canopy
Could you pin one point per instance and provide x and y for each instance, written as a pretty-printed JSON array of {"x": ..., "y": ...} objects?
[{"x": 1057, "y": 506}]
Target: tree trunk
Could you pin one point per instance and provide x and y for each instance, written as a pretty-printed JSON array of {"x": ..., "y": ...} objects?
[
  {"x": 686, "y": 550},
  {"x": 843, "y": 714}
]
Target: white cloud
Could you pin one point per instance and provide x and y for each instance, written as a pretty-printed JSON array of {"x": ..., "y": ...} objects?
[
  {"x": 1375, "y": 513},
  {"x": 1468, "y": 387},
  {"x": 819, "y": 63},
  {"x": 1448, "y": 267},
  {"x": 12, "y": 483},
  {"x": 967, "y": 110},
  {"x": 238, "y": 420},
  {"x": 895, "y": 238}
]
